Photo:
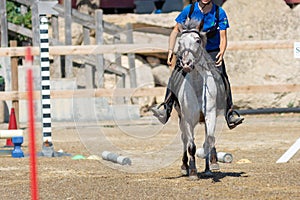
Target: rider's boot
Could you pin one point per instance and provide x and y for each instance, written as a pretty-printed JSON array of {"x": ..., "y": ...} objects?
[
  {"x": 163, "y": 115},
  {"x": 233, "y": 118}
]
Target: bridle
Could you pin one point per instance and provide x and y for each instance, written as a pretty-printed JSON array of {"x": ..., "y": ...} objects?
[
  {"x": 191, "y": 31},
  {"x": 197, "y": 55}
]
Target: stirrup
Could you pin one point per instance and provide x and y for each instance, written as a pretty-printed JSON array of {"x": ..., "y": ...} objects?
[
  {"x": 160, "y": 105},
  {"x": 161, "y": 115},
  {"x": 235, "y": 124}
]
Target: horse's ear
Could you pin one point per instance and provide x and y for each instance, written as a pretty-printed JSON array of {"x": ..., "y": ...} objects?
[{"x": 200, "y": 26}]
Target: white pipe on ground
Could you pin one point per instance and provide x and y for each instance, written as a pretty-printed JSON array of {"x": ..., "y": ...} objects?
[{"x": 113, "y": 157}]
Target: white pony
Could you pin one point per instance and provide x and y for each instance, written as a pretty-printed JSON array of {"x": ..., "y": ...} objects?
[{"x": 200, "y": 92}]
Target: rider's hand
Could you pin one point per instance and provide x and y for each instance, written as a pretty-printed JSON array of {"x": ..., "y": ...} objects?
[
  {"x": 219, "y": 59},
  {"x": 170, "y": 56}
]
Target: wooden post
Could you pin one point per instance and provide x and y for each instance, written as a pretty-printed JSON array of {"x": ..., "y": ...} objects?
[
  {"x": 4, "y": 40},
  {"x": 35, "y": 18},
  {"x": 55, "y": 35},
  {"x": 131, "y": 57},
  {"x": 89, "y": 69},
  {"x": 117, "y": 39},
  {"x": 15, "y": 82},
  {"x": 120, "y": 81},
  {"x": 68, "y": 37},
  {"x": 89, "y": 75},
  {"x": 86, "y": 35},
  {"x": 4, "y": 61},
  {"x": 99, "y": 41}
]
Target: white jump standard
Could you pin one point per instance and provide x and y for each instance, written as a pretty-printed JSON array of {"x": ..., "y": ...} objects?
[{"x": 45, "y": 78}]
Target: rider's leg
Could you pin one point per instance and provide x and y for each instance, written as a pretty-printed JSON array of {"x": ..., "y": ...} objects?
[
  {"x": 231, "y": 119},
  {"x": 170, "y": 98}
]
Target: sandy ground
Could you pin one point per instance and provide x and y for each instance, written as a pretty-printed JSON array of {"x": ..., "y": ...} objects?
[{"x": 155, "y": 152}]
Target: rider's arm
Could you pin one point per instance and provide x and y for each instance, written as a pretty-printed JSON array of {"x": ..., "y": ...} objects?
[
  {"x": 172, "y": 41},
  {"x": 223, "y": 46}
]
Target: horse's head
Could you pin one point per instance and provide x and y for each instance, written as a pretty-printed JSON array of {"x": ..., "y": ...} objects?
[{"x": 191, "y": 44}]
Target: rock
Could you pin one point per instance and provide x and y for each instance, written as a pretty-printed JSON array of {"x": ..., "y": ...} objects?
[
  {"x": 153, "y": 61},
  {"x": 243, "y": 161},
  {"x": 161, "y": 75}
]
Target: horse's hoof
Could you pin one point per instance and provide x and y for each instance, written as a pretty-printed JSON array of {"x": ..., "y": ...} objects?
[
  {"x": 193, "y": 172},
  {"x": 214, "y": 167},
  {"x": 185, "y": 170},
  {"x": 193, "y": 178}
]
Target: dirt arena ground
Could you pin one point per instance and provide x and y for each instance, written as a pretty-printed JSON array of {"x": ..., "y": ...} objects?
[{"x": 253, "y": 174}]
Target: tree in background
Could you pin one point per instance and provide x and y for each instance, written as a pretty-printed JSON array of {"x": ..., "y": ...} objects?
[{"x": 21, "y": 16}]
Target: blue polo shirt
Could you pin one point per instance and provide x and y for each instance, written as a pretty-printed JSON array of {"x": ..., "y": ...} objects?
[{"x": 209, "y": 21}]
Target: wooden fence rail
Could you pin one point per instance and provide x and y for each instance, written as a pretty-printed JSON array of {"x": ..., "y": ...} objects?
[
  {"x": 139, "y": 48},
  {"x": 142, "y": 92}
]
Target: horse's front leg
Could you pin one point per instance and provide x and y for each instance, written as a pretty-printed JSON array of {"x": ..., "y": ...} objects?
[
  {"x": 210, "y": 113},
  {"x": 188, "y": 145},
  {"x": 189, "y": 168},
  {"x": 192, "y": 162},
  {"x": 211, "y": 160},
  {"x": 185, "y": 166}
]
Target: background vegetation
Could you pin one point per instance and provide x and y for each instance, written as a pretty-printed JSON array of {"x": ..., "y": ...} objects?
[{"x": 21, "y": 16}]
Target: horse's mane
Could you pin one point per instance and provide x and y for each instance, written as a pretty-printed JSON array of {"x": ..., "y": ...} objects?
[{"x": 191, "y": 24}]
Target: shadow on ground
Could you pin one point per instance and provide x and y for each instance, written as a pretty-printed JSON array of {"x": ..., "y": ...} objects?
[{"x": 216, "y": 176}]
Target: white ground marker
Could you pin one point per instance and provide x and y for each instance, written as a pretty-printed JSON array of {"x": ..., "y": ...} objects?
[
  {"x": 290, "y": 152},
  {"x": 296, "y": 146}
]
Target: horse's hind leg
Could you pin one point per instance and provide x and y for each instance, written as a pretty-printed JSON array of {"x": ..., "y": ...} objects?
[{"x": 211, "y": 160}]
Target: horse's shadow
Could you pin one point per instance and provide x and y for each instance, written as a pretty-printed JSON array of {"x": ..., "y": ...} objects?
[{"x": 215, "y": 176}]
